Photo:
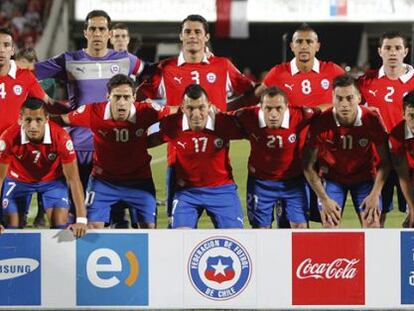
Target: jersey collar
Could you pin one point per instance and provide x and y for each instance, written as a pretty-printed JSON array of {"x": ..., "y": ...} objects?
[
  {"x": 47, "y": 139},
  {"x": 294, "y": 68},
  {"x": 285, "y": 121},
  {"x": 209, "y": 126},
  {"x": 408, "y": 133},
  {"x": 403, "y": 78},
  {"x": 181, "y": 60},
  {"x": 132, "y": 113},
  {"x": 358, "y": 120},
  {"x": 13, "y": 69}
]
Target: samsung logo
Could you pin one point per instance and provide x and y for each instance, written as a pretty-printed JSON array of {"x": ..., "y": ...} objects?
[{"x": 14, "y": 267}]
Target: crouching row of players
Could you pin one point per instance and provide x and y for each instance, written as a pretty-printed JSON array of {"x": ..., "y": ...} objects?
[{"x": 341, "y": 146}]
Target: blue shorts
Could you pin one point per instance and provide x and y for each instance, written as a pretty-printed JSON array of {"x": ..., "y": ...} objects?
[
  {"x": 263, "y": 196},
  {"x": 359, "y": 192},
  {"x": 18, "y": 195},
  {"x": 221, "y": 203},
  {"x": 139, "y": 195}
]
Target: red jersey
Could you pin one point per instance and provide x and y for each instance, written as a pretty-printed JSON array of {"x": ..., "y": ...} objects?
[
  {"x": 36, "y": 162},
  {"x": 386, "y": 94},
  {"x": 402, "y": 143},
  {"x": 309, "y": 89},
  {"x": 217, "y": 75},
  {"x": 275, "y": 153},
  {"x": 14, "y": 89},
  {"x": 202, "y": 157},
  {"x": 120, "y": 146},
  {"x": 346, "y": 154}
]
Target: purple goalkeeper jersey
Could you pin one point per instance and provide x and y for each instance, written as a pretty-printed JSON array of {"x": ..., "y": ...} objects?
[{"x": 86, "y": 78}]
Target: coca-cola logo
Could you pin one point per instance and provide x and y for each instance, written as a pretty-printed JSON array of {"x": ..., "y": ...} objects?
[{"x": 340, "y": 268}]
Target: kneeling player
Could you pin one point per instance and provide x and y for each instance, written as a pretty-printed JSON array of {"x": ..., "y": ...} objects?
[
  {"x": 203, "y": 172},
  {"x": 35, "y": 156},
  {"x": 343, "y": 138},
  {"x": 275, "y": 175},
  {"x": 121, "y": 164}
]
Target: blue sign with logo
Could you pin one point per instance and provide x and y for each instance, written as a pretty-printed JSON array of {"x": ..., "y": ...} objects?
[
  {"x": 20, "y": 269},
  {"x": 112, "y": 269},
  {"x": 407, "y": 267},
  {"x": 219, "y": 268}
]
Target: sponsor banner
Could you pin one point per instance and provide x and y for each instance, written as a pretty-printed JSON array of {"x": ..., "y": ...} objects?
[
  {"x": 20, "y": 271},
  {"x": 219, "y": 270},
  {"x": 407, "y": 267},
  {"x": 328, "y": 268},
  {"x": 112, "y": 269}
]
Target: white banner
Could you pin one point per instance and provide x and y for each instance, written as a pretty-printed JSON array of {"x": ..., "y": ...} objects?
[{"x": 215, "y": 269}]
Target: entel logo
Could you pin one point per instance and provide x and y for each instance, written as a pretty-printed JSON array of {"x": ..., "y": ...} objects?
[
  {"x": 14, "y": 267},
  {"x": 114, "y": 265}
]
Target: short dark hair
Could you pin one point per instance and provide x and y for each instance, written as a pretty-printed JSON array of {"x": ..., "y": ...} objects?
[
  {"x": 194, "y": 91},
  {"x": 305, "y": 27},
  {"x": 392, "y": 35},
  {"x": 6, "y": 31},
  {"x": 120, "y": 79},
  {"x": 27, "y": 53},
  {"x": 120, "y": 26},
  {"x": 97, "y": 13},
  {"x": 408, "y": 100},
  {"x": 344, "y": 81},
  {"x": 195, "y": 18},
  {"x": 33, "y": 103},
  {"x": 272, "y": 92}
]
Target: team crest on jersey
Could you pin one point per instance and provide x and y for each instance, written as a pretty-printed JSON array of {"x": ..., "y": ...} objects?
[
  {"x": 363, "y": 142},
  {"x": 5, "y": 203},
  {"x": 114, "y": 68},
  {"x": 69, "y": 145},
  {"x": 52, "y": 156},
  {"x": 81, "y": 109},
  {"x": 2, "y": 145},
  {"x": 219, "y": 268},
  {"x": 325, "y": 84},
  {"x": 211, "y": 77},
  {"x": 292, "y": 138},
  {"x": 218, "y": 142},
  {"x": 139, "y": 132},
  {"x": 18, "y": 89}
]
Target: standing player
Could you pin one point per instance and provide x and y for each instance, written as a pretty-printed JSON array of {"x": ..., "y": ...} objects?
[
  {"x": 86, "y": 73},
  {"x": 274, "y": 168},
  {"x": 384, "y": 89},
  {"x": 217, "y": 75},
  {"x": 15, "y": 85},
  {"x": 203, "y": 172},
  {"x": 35, "y": 156},
  {"x": 306, "y": 80},
  {"x": 402, "y": 154},
  {"x": 343, "y": 139},
  {"x": 120, "y": 37},
  {"x": 121, "y": 170}
]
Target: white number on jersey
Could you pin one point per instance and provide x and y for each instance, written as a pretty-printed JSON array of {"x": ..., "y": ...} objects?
[
  {"x": 347, "y": 142},
  {"x": 195, "y": 76},
  {"x": 121, "y": 135},
  {"x": 306, "y": 87},
  {"x": 387, "y": 96},
  {"x": 3, "y": 90},
  {"x": 273, "y": 140},
  {"x": 37, "y": 154},
  {"x": 200, "y": 141}
]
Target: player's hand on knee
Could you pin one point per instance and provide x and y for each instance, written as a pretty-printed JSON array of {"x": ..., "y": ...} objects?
[
  {"x": 370, "y": 211},
  {"x": 1, "y": 228},
  {"x": 330, "y": 213},
  {"x": 78, "y": 229}
]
